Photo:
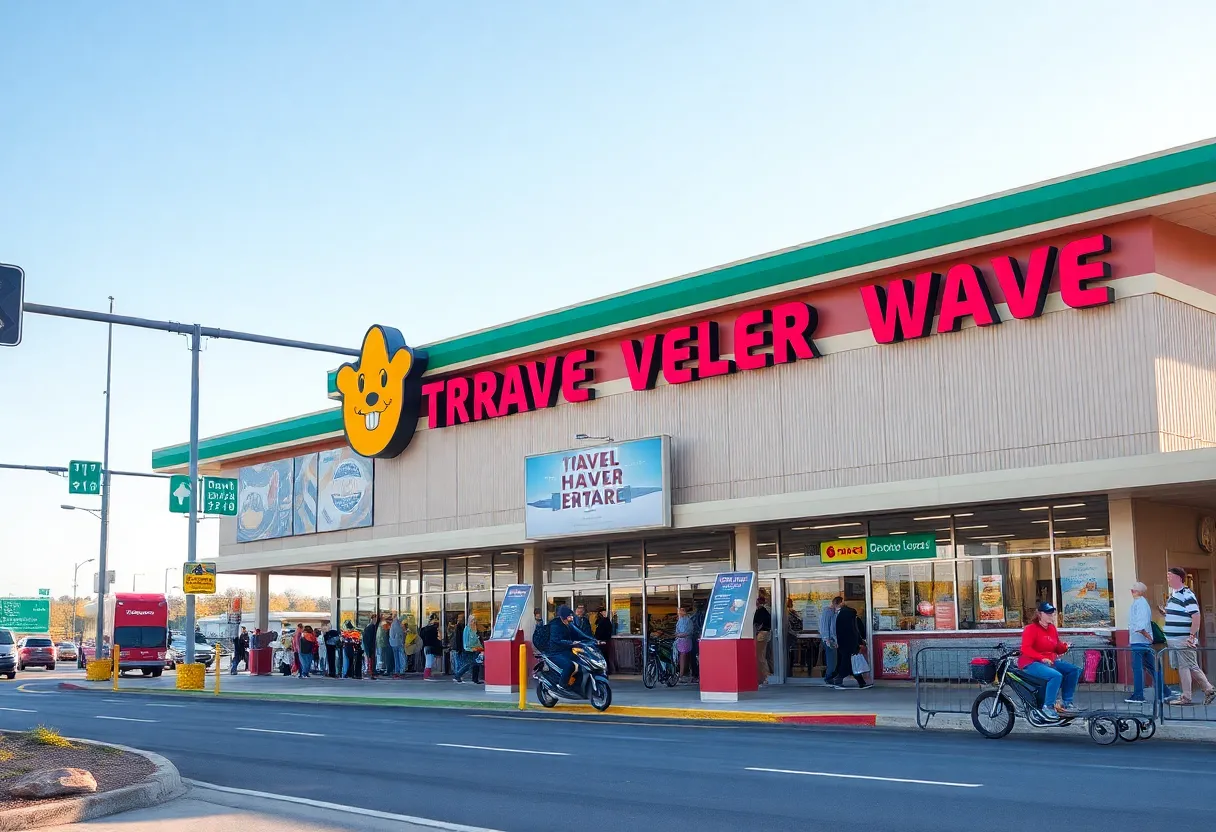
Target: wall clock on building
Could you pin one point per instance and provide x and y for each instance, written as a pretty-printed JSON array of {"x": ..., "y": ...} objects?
[{"x": 1207, "y": 534}]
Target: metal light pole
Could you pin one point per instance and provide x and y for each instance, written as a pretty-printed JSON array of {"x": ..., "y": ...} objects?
[
  {"x": 105, "y": 496},
  {"x": 133, "y": 577},
  {"x": 168, "y": 569},
  {"x": 76, "y": 634},
  {"x": 196, "y": 339}
]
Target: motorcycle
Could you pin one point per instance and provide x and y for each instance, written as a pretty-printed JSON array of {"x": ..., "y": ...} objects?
[
  {"x": 590, "y": 682},
  {"x": 1013, "y": 694},
  {"x": 660, "y": 664}
]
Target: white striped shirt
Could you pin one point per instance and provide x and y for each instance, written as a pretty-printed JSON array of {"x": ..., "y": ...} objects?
[{"x": 1179, "y": 612}]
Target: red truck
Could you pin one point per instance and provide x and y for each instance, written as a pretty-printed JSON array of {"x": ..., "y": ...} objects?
[{"x": 139, "y": 624}]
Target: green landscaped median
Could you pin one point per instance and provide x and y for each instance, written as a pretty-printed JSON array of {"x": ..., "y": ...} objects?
[{"x": 1077, "y": 195}]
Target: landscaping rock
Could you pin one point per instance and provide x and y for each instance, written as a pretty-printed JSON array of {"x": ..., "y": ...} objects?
[{"x": 51, "y": 782}]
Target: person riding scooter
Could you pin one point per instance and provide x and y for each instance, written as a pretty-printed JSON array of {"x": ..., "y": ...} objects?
[{"x": 563, "y": 636}]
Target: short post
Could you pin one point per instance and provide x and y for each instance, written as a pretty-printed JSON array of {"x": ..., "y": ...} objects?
[
  {"x": 523, "y": 677},
  {"x": 114, "y": 665}
]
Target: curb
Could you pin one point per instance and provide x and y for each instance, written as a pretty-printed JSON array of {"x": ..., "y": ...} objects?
[
  {"x": 164, "y": 785},
  {"x": 640, "y": 711}
]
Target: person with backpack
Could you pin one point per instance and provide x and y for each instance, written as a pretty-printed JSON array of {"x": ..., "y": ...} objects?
[{"x": 432, "y": 645}]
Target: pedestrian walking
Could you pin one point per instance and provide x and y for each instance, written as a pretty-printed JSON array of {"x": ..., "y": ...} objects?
[
  {"x": 1182, "y": 622},
  {"x": 604, "y": 631},
  {"x": 295, "y": 648},
  {"x": 762, "y": 623},
  {"x": 308, "y": 649},
  {"x": 1140, "y": 638},
  {"x": 827, "y": 633},
  {"x": 471, "y": 654},
  {"x": 456, "y": 646},
  {"x": 848, "y": 645},
  {"x": 333, "y": 653},
  {"x": 369, "y": 646},
  {"x": 396, "y": 641},
  {"x": 432, "y": 645}
]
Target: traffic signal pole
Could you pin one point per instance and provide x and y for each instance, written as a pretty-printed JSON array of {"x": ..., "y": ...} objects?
[
  {"x": 102, "y": 584},
  {"x": 196, "y": 334}
]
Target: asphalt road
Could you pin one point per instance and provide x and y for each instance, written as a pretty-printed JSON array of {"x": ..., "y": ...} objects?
[{"x": 527, "y": 772}]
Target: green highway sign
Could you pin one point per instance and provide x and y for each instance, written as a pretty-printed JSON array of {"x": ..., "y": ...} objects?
[
  {"x": 179, "y": 494},
  {"x": 44, "y": 593},
  {"x": 219, "y": 496},
  {"x": 84, "y": 477},
  {"x": 25, "y": 615}
]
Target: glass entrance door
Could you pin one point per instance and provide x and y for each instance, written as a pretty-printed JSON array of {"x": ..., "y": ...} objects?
[{"x": 805, "y": 599}]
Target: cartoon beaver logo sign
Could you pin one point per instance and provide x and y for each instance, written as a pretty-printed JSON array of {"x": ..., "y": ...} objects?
[{"x": 381, "y": 394}]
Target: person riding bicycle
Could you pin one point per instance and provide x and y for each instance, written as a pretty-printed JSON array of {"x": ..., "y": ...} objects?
[
  {"x": 1039, "y": 660},
  {"x": 563, "y": 636}
]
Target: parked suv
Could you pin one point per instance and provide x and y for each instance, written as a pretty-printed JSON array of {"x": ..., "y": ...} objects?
[
  {"x": 36, "y": 651},
  {"x": 8, "y": 654}
]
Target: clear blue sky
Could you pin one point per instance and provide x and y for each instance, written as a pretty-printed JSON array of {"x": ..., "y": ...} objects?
[{"x": 270, "y": 166}]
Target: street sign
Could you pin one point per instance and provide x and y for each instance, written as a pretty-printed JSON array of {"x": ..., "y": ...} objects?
[
  {"x": 44, "y": 593},
  {"x": 198, "y": 578},
  {"x": 25, "y": 615},
  {"x": 179, "y": 494},
  {"x": 110, "y": 574},
  {"x": 12, "y": 301},
  {"x": 219, "y": 496},
  {"x": 84, "y": 477}
]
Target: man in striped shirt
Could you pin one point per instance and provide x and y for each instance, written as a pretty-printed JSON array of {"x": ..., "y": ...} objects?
[{"x": 1182, "y": 637}]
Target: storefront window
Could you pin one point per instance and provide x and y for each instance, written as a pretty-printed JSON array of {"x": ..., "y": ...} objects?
[
  {"x": 456, "y": 579},
  {"x": 930, "y": 521},
  {"x": 799, "y": 543},
  {"x": 432, "y": 576},
  {"x": 410, "y": 579},
  {"x": 913, "y": 596},
  {"x": 453, "y": 612},
  {"x": 367, "y": 581},
  {"x": 387, "y": 603},
  {"x": 576, "y": 564},
  {"x": 1081, "y": 523},
  {"x": 430, "y": 604},
  {"x": 479, "y": 572},
  {"x": 479, "y": 607},
  {"x": 347, "y": 611},
  {"x": 1084, "y": 590},
  {"x": 626, "y": 610},
  {"x": 506, "y": 569},
  {"x": 366, "y": 612},
  {"x": 625, "y": 559},
  {"x": 999, "y": 593},
  {"x": 702, "y": 554},
  {"x": 766, "y": 550},
  {"x": 1005, "y": 529},
  {"x": 661, "y": 602},
  {"x": 388, "y": 579},
  {"x": 348, "y": 586},
  {"x": 408, "y": 609}
]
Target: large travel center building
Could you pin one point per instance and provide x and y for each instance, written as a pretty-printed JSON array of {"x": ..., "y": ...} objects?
[{"x": 945, "y": 419}]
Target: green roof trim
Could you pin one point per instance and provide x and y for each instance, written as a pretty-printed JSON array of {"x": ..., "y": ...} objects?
[
  {"x": 251, "y": 439},
  {"x": 1124, "y": 183}
]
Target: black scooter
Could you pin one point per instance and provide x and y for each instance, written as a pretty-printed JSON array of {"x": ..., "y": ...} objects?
[{"x": 590, "y": 681}]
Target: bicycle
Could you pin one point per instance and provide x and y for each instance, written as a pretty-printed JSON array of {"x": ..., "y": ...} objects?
[
  {"x": 660, "y": 664},
  {"x": 1014, "y": 694}
]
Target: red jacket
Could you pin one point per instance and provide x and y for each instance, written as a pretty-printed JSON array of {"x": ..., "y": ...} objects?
[{"x": 1039, "y": 643}]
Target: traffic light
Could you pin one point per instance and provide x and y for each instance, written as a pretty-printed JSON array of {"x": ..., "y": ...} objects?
[{"x": 12, "y": 297}]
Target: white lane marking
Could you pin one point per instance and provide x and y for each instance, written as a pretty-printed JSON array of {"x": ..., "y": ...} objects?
[
  {"x": 289, "y": 713},
  {"x": 19, "y": 710},
  {"x": 506, "y": 750},
  {"x": 162, "y": 705},
  {"x": 272, "y": 731},
  {"x": 353, "y": 810},
  {"x": 118, "y": 701},
  {"x": 125, "y": 719},
  {"x": 866, "y": 777}
]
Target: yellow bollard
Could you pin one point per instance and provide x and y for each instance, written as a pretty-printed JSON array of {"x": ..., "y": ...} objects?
[
  {"x": 114, "y": 656},
  {"x": 219, "y": 651},
  {"x": 523, "y": 677}
]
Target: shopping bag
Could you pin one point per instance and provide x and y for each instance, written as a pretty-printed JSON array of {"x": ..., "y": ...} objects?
[
  {"x": 860, "y": 665},
  {"x": 1090, "y": 673}
]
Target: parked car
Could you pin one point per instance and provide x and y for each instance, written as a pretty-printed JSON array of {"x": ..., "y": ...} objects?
[
  {"x": 176, "y": 654},
  {"x": 67, "y": 651},
  {"x": 36, "y": 651},
  {"x": 8, "y": 654}
]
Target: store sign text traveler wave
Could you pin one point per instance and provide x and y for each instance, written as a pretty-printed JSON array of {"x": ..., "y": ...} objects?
[{"x": 383, "y": 393}]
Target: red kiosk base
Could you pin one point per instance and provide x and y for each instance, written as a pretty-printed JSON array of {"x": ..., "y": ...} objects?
[
  {"x": 728, "y": 669},
  {"x": 261, "y": 660},
  {"x": 502, "y": 664}
]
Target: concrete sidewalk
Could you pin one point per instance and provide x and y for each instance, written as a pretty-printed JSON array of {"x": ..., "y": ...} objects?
[{"x": 209, "y": 808}]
